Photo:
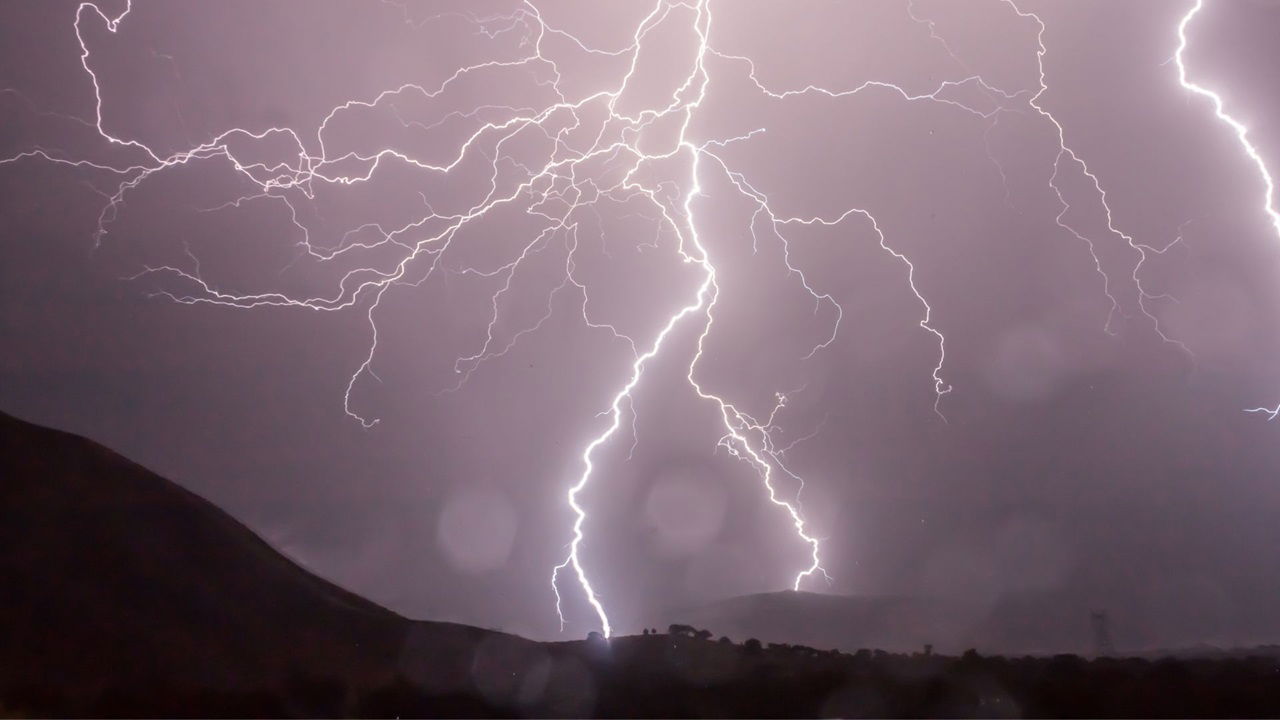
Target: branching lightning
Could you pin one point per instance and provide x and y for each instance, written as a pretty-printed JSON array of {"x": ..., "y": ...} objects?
[
  {"x": 599, "y": 153},
  {"x": 1065, "y": 151}
]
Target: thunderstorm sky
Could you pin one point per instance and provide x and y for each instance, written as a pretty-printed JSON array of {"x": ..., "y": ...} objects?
[{"x": 374, "y": 276}]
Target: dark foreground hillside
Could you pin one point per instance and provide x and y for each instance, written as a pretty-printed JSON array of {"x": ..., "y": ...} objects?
[
  {"x": 120, "y": 587},
  {"x": 122, "y": 594}
]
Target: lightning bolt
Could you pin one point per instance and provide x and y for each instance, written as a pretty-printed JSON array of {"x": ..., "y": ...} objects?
[
  {"x": 1242, "y": 135},
  {"x": 1066, "y": 152},
  {"x": 596, "y": 152}
]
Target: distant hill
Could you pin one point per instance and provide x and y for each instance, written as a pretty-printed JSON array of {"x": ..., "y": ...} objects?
[{"x": 1015, "y": 624}]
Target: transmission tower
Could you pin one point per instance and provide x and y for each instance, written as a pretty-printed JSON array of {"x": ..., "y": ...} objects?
[{"x": 1101, "y": 634}]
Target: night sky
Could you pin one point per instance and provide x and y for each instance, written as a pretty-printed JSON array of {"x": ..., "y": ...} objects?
[{"x": 1079, "y": 454}]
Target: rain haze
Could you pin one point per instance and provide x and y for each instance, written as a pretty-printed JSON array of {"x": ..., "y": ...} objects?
[{"x": 382, "y": 322}]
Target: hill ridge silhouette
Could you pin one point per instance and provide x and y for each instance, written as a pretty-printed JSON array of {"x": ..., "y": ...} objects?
[{"x": 114, "y": 575}]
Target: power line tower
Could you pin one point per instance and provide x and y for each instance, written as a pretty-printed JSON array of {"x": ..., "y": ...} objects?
[{"x": 1101, "y": 634}]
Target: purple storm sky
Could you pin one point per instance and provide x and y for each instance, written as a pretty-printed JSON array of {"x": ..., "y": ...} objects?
[{"x": 210, "y": 313}]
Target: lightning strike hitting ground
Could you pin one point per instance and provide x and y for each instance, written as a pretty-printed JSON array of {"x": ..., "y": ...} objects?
[{"x": 571, "y": 181}]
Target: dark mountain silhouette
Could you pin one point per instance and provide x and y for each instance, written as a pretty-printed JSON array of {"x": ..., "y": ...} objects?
[
  {"x": 121, "y": 594},
  {"x": 113, "y": 577}
]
